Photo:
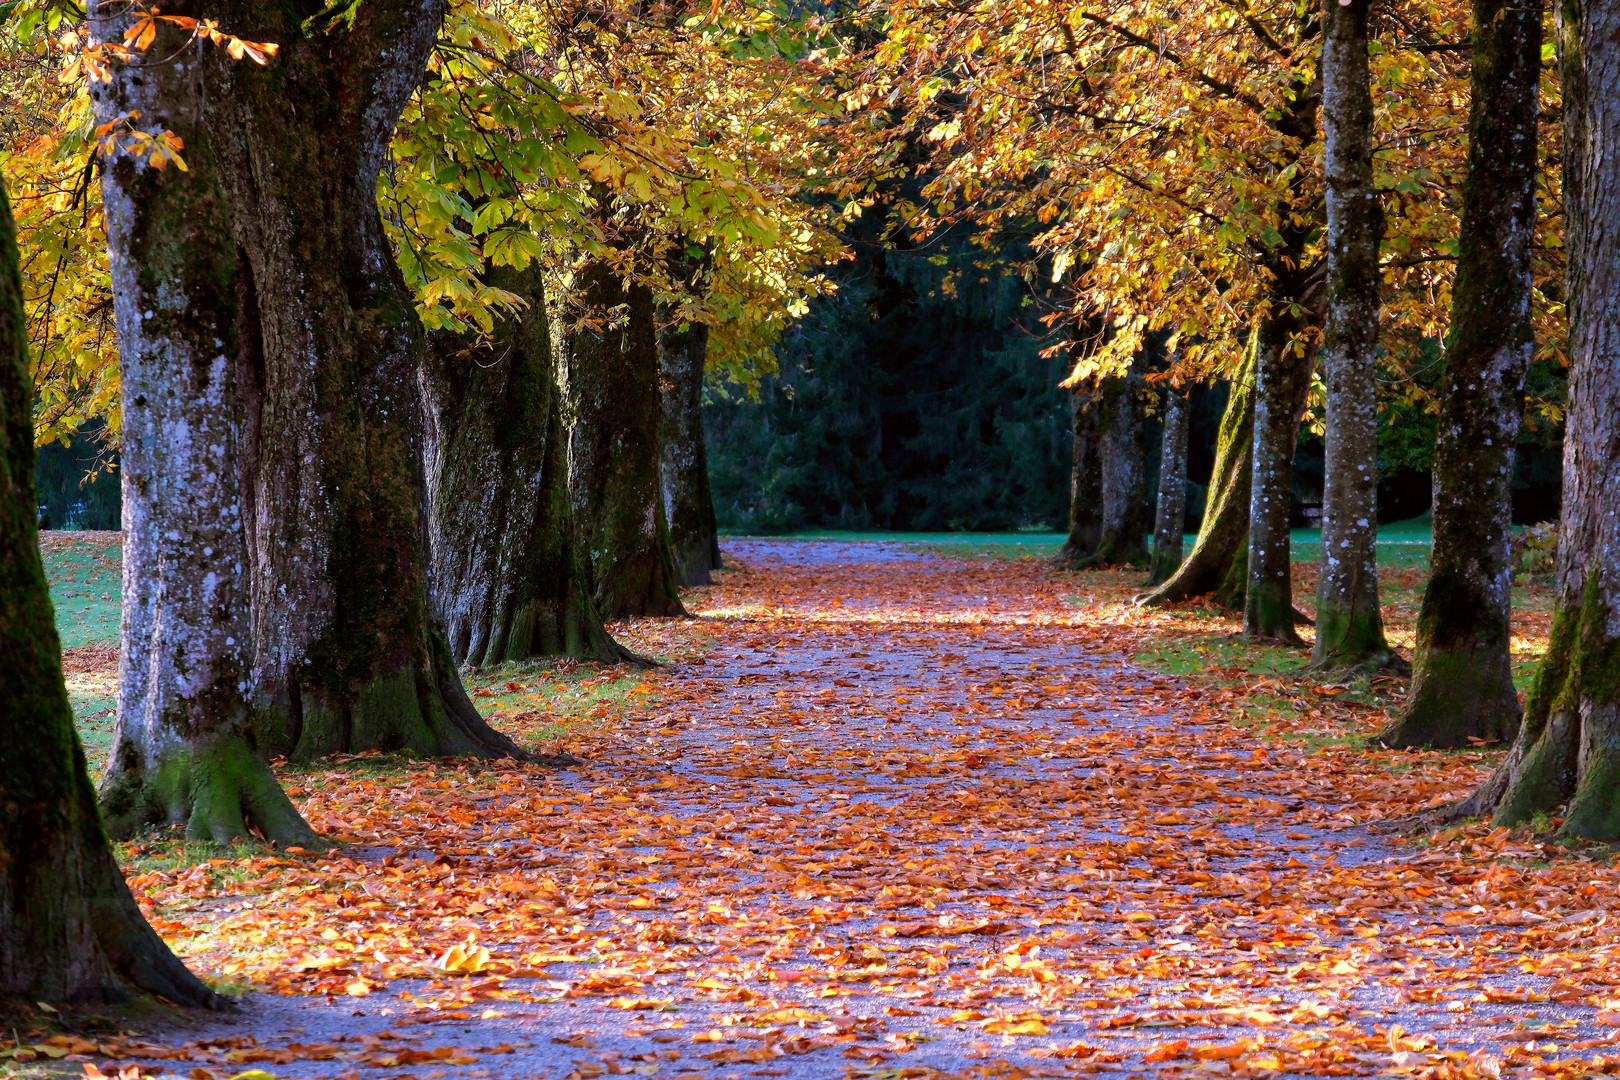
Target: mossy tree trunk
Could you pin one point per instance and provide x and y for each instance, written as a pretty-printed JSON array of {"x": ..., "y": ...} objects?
[
  {"x": 1171, "y": 511},
  {"x": 183, "y": 750},
  {"x": 1282, "y": 381},
  {"x": 346, "y": 655},
  {"x": 69, "y": 929},
  {"x": 1220, "y": 544},
  {"x": 508, "y": 580},
  {"x": 1349, "y": 621},
  {"x": 1282, "y": 365},
  {"x": 1122, "y": 419},
  {"x": 1568, "y": 749},
  {"x": 609, "y": 361},
  {"x": 683, "y": 455},
  {"x": 1462, "y": 677},
  {"x": 1085, "y": 477},
  {"x": 1250, "y": 489}
]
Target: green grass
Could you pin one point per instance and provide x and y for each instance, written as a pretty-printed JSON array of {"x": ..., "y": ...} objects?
[
  {"x": 557, "y": 699},
  {"x": 85, "y": 572},
  {"x": 226, "y": 862},
  {"x": 1280, "y": 679},
  {"x": 541, "y": 701},
  {"x": 1401, "y": 543},
  {"x": 94, "y": 698}
]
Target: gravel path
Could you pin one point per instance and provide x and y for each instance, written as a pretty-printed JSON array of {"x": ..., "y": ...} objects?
[{"x": 914, "y": 816}]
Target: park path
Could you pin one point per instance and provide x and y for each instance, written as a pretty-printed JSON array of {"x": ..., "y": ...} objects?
[{"x": 910, "y": 815}]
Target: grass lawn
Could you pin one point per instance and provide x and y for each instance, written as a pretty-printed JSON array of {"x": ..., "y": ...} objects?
[{"x": 544, "y": 704}]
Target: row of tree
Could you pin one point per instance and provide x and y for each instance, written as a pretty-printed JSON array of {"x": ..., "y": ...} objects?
[
  {"x": 1268, "y": 190},
  {"x": 411, "y": 310}
]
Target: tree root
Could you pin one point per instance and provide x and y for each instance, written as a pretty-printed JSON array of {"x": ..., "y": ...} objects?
[{"x": 221, "y": 790}]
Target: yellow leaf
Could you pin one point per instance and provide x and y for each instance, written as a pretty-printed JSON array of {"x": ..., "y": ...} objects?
[
  {"x": 1010, "y": 1026},
  {"x": 460, "y": 960}
]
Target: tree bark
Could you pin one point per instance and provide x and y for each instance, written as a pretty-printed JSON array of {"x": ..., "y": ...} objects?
[
  {"x": 1221, "y": 536},
  {"x": 1282, "y": 381},
  {"x": 610, "y": 371},
  {"x": 184, "y": 749},
  {"x": 1349, "y": 621},
  {"x": 1085, "y": 478},
  {"x": 1569, "y": 746},
  {"x": 346, "y": 655},
  {"x": 508, "y": 580},
  {"x": 69, "y": 929},
  {"x": 1172, "y": 506},
  {"x": 1122, "y": 416},
  {"x": 683, "y": 461},
  {"x": 1462, "y": 678}
]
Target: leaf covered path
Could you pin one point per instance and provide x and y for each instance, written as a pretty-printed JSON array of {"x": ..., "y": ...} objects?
[{"x": 907, "y": 814}]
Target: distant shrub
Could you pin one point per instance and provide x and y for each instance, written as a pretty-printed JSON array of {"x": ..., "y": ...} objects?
[{"x": 1535, "y": 550}]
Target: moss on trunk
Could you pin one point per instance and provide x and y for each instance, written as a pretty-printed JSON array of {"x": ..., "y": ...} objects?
[
  {"x": 1085, "y": 477},
  {"x": 216, "y": 789},
  {"x": 1172, "y": 504},
  {"x": 1569, "y": 747},
  {"x": 1349, "y": 622},
  {"x": 508, "y": 579},
  {"x": 1282, "y": 380},
  {"x": 1122, "y": 415},
  {"x": 1222, "y": 535},
  {"x": 608, "y": 352},
  {"x": 683, "y": 461},
  {"x": 1462, "y": 684},
  {"x": 184, "y": 746},
  {"x": 69, "y": 929},
  {"x": 346, "y": 654}
]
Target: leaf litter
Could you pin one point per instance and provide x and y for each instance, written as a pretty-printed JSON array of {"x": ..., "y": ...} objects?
[{"x": 894, "y": 815}]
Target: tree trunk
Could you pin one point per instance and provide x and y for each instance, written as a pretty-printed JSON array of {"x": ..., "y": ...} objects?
[
  {"x": 508, "y": 581},
  {"x": 1085, "y": 478},
  {"x": 611, "y": 375},
  {"x": 1221, "y": 535},
  {"x": 1282, "y": 381},
  {"x": 1172, "y": 507},
  {"x": 69, "y": 928},
  {"x": 1569, "y": 747},
  {"x": 1462, "y": 678},
  {"x": 683, "y": 464},
  {"x": 1122, "y": 416},
  {"x": 1349, "y": 622},
  {"x": 183, "y": 750},
  {"x": 346, "y": 656}
]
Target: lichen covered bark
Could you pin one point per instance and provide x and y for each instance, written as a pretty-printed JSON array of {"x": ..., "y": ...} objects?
[
  {"x": 184, "y": 748},
  {"x": 1222, "y": 535},
  {"x": 508, "y": 580},
  {"x": 346, "y": 655},
  {"x": 69, "y": 929},
  {"x": 1282, "y": 380},
  {"x": 1462, "y": 679},
  {"x": 1085, "y": 477},
  {"x": 1349, "y": 622},
  {"x": 609, "y": 361},
  {"x": 1569, "y": 745},
  {"x": 1171, "y": 511},
  {"x": 1122, "y": 416},
  {"x": 683, "y": 456}
]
